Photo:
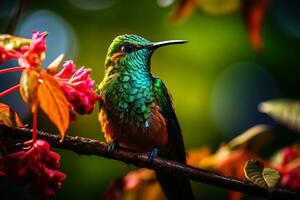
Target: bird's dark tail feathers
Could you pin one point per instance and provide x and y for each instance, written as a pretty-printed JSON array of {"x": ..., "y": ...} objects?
[{"x": 175, "y": 187}]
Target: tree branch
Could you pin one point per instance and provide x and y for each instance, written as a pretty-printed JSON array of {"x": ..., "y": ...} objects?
[
  {"x": 15, "y": 16},
  {"x": 85, "y": 146}
]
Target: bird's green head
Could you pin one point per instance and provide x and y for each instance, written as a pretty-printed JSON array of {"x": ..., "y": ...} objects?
[{"x": 130, "y": 50}]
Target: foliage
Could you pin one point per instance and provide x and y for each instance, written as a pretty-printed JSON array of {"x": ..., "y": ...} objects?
[
  {"x": 285, "y": 111},
  {"x": 263, "y": 177},
  {"x": 253, "y": 12},
  {"x": 9, "y": 117},
  {"x": 56, "y": 93}
]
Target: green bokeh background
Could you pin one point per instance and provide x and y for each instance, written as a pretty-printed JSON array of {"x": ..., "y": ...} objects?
[{"x": 190, "y": 72}]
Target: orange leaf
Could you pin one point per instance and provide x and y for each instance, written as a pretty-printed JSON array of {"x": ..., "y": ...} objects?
[
  {"x": 9, "y": 117},
  {"x": 137, "y": 184},
  {"x": 54, "y": 103},
  {"x": 29, "y": 85},
  {"x": 196, "y": 155},
  {"x": 254, "y": 12},
  {"x": 136, "y": 178},
  {"x": 235, "y": 195},
  {"x": 184, "y": 10}
]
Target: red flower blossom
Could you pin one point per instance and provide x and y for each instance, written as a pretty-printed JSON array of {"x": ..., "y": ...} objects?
[
  {"x": 289, "y": 167},
  {"x": 8, "y": 55},
  {"x": 76, "y": 84},
  {"x": 78, "y": 87},
  {"x": 35, "y": 54},
  {"x": 289, "y": 154},
  {"x": 29, "y": 55},
  {"x": 36, "y": 168},
  {"x": 291, "y": 179}
]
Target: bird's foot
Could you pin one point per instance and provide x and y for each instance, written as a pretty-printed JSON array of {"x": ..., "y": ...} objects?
[
  {"x": 112, "y": 145},
  {"x": 152, "y": 154}
]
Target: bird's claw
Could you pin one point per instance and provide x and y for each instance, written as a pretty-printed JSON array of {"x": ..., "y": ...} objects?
[
  {"x": 152, "y": 154},
  {"x": 112, "y": 145}
]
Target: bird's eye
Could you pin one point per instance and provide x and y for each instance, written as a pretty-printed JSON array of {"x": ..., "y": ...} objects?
[{"x": 127, "y": 48}]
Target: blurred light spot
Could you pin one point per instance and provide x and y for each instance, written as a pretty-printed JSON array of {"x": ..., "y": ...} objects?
[
  {"x": 92, "y": 4},
  {"x": 165, "y": 3},
  {"x": 220, "y": 7},
  {"x": 61, "y": 38},
  {"x": 236, "y": 95},
  {"x": 287, "y": 14}
]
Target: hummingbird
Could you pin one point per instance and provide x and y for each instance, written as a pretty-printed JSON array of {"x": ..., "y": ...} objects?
[{"x": 137, "y": 110}]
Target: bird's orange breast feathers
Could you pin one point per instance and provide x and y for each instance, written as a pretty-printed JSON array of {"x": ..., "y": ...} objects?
[{"x": 135, "y": 137}]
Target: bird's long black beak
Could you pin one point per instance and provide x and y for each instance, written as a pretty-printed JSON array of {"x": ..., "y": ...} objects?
[{"x": 156, "y": 45}]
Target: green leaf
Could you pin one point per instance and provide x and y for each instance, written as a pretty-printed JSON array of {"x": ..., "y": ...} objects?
[
  {"x": 271, "y": 177},
  {"x": 253, "y": 172},
  {"x": 263, "y": 177},
  {"x": 220, "y": 7},
  {"x": 284, "y": 111},
  {"x": 9, "y": 42}
]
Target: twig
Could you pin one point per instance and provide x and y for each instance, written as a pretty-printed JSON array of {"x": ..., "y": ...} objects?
[
  {"x": 86, "y": 146},
  {"x": 15, "y": 16}
]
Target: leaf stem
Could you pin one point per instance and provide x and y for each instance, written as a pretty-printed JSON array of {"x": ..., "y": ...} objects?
[
  {"x": 16, "y": 87},
  {"x": 34, "y": 126},
  {"x": 12, "y": 69}
]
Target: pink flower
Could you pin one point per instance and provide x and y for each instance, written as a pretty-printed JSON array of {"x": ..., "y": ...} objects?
[
  {"x": 291, "y": 178},
  {"x": 35, "y": 54},
  {"x": 36, "y": 168},
  {"x": 6, "y": 55},
  {"x": 289, "y": 154},
  {"x": 76, "y": 83},
  {"x": 289, "y": 167},
  {"x": 29, "y": 56},
  {"x": 38, "y": 43},
  {"x": 78, "y": 87}
]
